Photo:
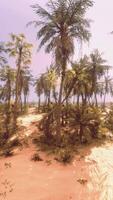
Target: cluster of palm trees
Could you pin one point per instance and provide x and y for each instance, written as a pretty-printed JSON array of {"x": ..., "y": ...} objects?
[
  {"x": 46, "y": 87},
  {"x": 14, "y": 81},
  {"x": 59, "y": 26},
  {"x": 85, "y": 83},
  {"x": 92, "y": 82}
]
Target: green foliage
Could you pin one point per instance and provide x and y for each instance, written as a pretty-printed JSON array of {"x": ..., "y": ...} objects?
[
  {"x": 109, "y": 119},
  {"x": 13, "y": 82},
  {"x": 59, "y": 16},
  {"x": 17, "y": 43},
  {"x": 65, "y": 123},
  {"x": 63, "y": 150},
  {"x": 64, "y": 156},
  {"x": 86, "y": 119},
  {"x": 3, "y": 59}
]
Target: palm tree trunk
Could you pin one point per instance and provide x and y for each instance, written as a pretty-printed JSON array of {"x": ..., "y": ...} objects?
[
  {"x": 39, "y": 102},
  {"x": 78, "y": 98},
  {"x": 25, "y": 100},
  {"x": 17, "y": 95},
  {"x": 96, "y": 102},
  {"x": 104, "y": 99},
  {"x": 21, "y": 104},
  {"x": 81, "y": 132},
  {"x": 59, "y": 108},
  {"x": 48, "y": 99},
  {"x": 7, "y": 109}
]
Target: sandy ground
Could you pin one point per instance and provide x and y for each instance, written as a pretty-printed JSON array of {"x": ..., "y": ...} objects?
[
  {"x": 39, "y": 181},
  {"x": 23, "y": 179},
  {"x": 28, "y": 123},
  {"x": 101, "y": 172}
]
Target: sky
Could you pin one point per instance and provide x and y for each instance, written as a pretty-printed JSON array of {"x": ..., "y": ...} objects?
[{"x": 15, "y": 14}]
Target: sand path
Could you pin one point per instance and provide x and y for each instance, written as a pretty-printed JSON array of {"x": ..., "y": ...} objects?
[{"x": 23, "y": 179}]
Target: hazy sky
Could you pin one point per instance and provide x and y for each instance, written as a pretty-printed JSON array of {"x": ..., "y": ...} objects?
[{"x": 15, "y": 14}]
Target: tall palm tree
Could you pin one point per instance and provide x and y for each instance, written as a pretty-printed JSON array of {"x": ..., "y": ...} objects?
[
  {"x": 59, "y": 25},
  {"x": 20, "y": 49}
]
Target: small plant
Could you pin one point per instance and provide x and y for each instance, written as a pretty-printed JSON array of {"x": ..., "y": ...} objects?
[
  {"x": 7, "y": 165},
  {"x": 82, "y": 181},
  {"x": 36, "y": 157},
  {"x": 64, "y": 156}
]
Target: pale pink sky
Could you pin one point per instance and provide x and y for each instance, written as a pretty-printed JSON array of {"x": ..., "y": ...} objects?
[{"x": 15, "y": 14}]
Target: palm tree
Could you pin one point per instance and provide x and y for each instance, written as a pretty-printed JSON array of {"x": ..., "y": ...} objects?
[
  {"x": 2, "y": 56},
  {"x": 107, "y": 85},
  {"x": 21, "y": 50},
  {"x": 60, "y": 24},
  {"x": 82, "y": 88},
  {"x": 7, "y": 77},
  {"x": 111, "y": 87},
  {"x": 97, "y": 70},
  {"x": 50, "y": 82},
  {"x": 46, "y": 85},
  {"x": 39, "y": 89},
  {"x": 25, "y": 82},
  {"x": 27, "y": 79}
]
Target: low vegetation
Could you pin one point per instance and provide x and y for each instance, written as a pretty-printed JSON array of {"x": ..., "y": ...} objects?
[
  {"x": 67, "y": 95},
  {"x": 36, "y": 157}
]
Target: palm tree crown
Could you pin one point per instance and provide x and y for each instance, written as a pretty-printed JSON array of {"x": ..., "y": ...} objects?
[{"x": 60, "y": 23}]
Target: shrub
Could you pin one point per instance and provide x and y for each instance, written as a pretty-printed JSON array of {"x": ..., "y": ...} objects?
[
  {"x": 64, "y": 156},
  {"x": 87, "y": 120},
  {"x": 36, "y": 157},
  {"x": 109, "y": 119}
]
